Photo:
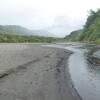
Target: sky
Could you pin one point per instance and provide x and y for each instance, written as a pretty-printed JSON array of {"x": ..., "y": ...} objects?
[{"x": 59, "y": 17}]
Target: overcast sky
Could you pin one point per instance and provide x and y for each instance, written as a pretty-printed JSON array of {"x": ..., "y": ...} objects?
[{"x": 57, "y": 16}]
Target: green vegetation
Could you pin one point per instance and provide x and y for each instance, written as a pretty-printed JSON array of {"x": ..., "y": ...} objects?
[
  {"x": 14, "y": 34},
  {"x": 74, "y": 36},
  {"x": 91, "y": 30},
  {"x": 9, "y": 38}
]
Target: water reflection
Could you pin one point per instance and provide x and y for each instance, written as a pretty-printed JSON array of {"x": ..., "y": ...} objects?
[{"x": 85, "y": 76}]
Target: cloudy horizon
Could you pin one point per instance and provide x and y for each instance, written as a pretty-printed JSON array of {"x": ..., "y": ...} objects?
[{"x": 59, "y": 17}]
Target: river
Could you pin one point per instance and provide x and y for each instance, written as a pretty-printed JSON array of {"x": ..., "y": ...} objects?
[{"x": 85, "y": 76}]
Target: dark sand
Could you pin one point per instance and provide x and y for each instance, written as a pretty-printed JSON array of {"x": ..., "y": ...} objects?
[{"x": 33, "y": 72}]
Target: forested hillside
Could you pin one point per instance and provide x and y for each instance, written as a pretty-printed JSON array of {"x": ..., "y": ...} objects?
[
  {"x": 14, "y": 34},
  {"x": 74, "y": 36},
  {"x": 91, "y": 30}
]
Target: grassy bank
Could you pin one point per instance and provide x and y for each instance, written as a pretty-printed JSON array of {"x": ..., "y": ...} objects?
[{"x": 9, "y": 38}]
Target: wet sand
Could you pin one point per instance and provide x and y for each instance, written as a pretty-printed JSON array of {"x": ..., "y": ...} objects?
[{"x": 33, "y": 72}]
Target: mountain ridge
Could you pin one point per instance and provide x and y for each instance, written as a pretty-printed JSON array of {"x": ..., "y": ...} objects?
[{"x": 19, "y": 30}]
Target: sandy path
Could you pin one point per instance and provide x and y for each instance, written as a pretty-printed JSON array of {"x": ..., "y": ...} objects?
[{"x": 38, "y": 73}]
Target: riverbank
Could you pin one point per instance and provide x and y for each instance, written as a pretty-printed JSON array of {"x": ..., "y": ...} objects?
[
  {"x": 93, "y": 54},
  {"x": 35, "y": 73}
]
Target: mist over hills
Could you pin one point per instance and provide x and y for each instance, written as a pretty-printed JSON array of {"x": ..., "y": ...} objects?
[
  {"x": 43, "y": 33},
  {"x": 19, "y": 34},
  {"x": 19, "y": 30}
]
